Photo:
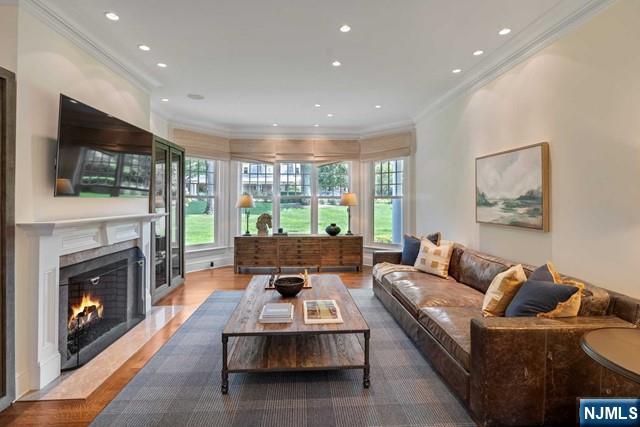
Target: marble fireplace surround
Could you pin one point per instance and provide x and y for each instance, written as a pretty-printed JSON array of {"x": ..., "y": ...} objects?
[{"x": 49, "y": 245}]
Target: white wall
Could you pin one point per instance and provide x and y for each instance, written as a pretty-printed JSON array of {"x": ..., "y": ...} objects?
[
  {"x": 49, "y": 64},
  {"x": 159, "y": 126},
  {"x": 582, "y": 94},
  {"x": 8, "y": 36}
]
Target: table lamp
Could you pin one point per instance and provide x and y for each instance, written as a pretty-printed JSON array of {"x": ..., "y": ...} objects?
[
  {"x": 348, "y": 200},
  {"x": 245, "y": 201}
]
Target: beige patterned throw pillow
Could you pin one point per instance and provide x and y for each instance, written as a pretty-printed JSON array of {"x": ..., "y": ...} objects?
[
  {"x": 434, "y": 259},
  {"x": 502, "y": 290}
]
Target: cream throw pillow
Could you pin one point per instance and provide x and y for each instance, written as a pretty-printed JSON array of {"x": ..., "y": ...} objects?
[
  {"x": 434, "y": 259},
  {"x": 570, "y": 307},
  {"x": 502, "y": 290}
]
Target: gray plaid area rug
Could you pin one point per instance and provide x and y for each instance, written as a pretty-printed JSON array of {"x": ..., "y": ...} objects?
[{"x": 180, "y": 385}]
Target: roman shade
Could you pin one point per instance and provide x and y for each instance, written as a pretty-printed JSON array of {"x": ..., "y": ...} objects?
[
  {"x": 320, "y": 151},
  {"x": 294, "y": 150},
  {"x": 202, "y": 145},
  {"x": 387, "y": 146}
]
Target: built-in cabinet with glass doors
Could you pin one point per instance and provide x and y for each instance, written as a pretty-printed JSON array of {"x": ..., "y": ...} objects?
[{"x": 168, "y": 232}]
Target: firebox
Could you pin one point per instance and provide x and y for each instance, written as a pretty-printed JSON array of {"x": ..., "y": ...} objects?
[{"x": 100, "y": 300}]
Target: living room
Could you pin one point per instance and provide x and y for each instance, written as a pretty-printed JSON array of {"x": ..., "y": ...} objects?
[{"x": 287, "y": 212}]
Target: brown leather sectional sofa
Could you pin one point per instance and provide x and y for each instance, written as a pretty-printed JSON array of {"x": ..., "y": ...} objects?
[{"x": 507, "y": 371}]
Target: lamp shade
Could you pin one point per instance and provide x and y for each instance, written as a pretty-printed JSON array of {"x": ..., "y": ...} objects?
[
  {"x": 245, "y": 201},
  {"x": 349, "y": 199},
  {"x": 64, "y": 186}
]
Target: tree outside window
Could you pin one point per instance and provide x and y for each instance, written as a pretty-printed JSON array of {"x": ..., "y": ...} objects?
[
  {"x": 388, "y": 201},
  {"x": 333, "y": 181},
  {"x": 200, "y": 201}
]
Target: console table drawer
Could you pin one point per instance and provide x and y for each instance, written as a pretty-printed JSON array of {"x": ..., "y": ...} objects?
[{"x": 298, "y": 251}]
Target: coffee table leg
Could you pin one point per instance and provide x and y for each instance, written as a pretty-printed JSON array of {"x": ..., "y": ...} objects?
[
  {"x": 366, "y": 382},
  {"x": 225, "y": 373}
]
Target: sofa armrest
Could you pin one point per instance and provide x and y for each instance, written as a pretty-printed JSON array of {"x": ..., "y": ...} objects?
[
  {"x": 529, "y": 370},
  {"x": 394, "y": 257}
]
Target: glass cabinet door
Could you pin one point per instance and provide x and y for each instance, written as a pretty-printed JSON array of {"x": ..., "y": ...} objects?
[
  {"x": 177, "y": 204},
  {"x": 161, "y": 243}
]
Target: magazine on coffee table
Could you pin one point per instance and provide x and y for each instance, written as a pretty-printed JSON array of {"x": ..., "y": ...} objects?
[{"x": 321, "y": 312}]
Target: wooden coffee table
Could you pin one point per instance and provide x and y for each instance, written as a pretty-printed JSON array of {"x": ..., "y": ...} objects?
[{"x": 250, "y": 346}]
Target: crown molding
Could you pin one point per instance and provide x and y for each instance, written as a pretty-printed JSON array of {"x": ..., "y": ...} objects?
[
  {"x": 207, "y": 127},
  {"x": 84, "y": 40},
  {"x": 390, "y": 128},
  {"x": 557, "y": 22}
]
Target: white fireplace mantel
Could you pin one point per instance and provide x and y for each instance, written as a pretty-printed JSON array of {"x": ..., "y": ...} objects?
[{"x": 44, "y": 243}]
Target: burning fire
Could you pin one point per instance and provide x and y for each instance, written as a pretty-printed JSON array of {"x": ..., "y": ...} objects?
[{"x": 88, "y": 310}]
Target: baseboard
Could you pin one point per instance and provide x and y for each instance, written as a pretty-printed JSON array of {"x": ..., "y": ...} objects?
[
  {"x": 22, "y": 384},
  {"x": 205, "y": 264}
]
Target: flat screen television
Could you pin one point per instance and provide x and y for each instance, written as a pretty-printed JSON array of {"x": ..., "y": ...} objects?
[{"x": 100, "y": 155}]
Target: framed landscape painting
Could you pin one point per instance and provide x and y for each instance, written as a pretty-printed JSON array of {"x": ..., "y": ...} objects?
[{"x": 512, "y": 187}]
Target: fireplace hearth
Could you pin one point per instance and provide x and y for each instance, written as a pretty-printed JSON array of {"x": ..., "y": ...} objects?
[{"x": 100, "y": 300}]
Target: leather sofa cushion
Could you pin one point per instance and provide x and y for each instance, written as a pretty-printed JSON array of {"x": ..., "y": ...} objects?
[
  {"x": 451, "y": 326},
  {"x": 478, "y": 270},
  {"x": 389, "y": 279},
  {"x": 432, "y": 291}
]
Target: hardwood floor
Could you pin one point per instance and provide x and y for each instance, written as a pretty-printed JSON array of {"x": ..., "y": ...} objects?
[{"x": 198, "y": 287}]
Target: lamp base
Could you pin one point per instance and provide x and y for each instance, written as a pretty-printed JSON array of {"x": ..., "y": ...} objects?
[
  {"x": 247, "y": 233},
  {"x": 349, "y": 233}
]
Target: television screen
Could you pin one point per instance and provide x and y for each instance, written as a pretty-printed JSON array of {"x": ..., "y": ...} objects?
[{"x": 100, "y": 155}]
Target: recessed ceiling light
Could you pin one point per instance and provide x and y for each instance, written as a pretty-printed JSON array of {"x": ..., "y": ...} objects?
[
  {"x": 112, "y": 16},
  {"x": 316, "y": 125},
  {"x": 195, "y": 96},
  {"x": 330, "y": 115},
  {"x": 456, "y": 70},
  {"x": 504, "y": 31},
  {"x": 165, "y": 100},
  {"x": 161, "y": 65},
  {"x": 144, "y": 47},
  {"x": 336, "y": 63},
  {"x": 317, "y": 105},
  {"x": 478, "y": 52},
  {"x": 378, "y": 106},
  {"x": 345, "y": 28},
  {"x": 274, "y": 125}
]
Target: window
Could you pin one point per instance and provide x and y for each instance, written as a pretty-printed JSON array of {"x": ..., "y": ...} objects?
[
  {"x": 387, "y": 201},
  {"x": 200, "y": 201},
  {"x": 295, "y": 197},
  {"x": 333, "y": 180},
  {"x": 257, "y": 180}
]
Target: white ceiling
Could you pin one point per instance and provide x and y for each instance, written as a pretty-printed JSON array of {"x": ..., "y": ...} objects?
[{"x": 259, "y": 62}]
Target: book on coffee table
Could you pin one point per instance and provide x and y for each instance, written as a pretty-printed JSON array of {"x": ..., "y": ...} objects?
[
  {"x": 321, "y": 312},
  {"x": 276, "y": 313}
]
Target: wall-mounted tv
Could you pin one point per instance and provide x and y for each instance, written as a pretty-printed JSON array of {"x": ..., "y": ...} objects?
[{"x": 100, "y": 155}]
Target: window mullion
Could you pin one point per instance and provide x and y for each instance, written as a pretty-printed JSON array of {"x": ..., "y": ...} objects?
[
  {"x": 314, "y": 199},
  {"x": 275, "y": 196}
]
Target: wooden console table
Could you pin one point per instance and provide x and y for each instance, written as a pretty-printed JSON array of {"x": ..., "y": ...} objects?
[{"x": 315, "y": 251}]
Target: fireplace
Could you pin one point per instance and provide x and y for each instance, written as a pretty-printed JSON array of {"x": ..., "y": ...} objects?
[{"x": 100, "y": 300}]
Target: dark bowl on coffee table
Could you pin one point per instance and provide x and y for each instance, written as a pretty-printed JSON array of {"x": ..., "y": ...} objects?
[{"x": 289, "y": 286}]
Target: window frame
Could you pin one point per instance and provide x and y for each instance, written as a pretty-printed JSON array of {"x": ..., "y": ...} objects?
[
  {"x": 372, "y": 177},
  {"x": 240, "y": 217},
  {"x": 216, "y": 204},
  {"x": 277, "y": 198},
  {"x": 312, "y": 190},
  {"x": 319, "y": 196}
]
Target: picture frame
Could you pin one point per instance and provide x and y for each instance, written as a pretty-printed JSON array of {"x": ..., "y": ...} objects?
[{"x": 512, "y": 188}]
